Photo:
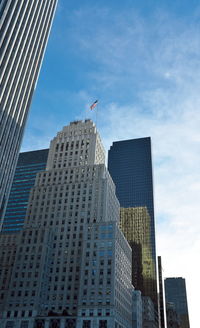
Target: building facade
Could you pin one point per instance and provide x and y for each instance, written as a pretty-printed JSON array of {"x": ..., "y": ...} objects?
[
  {"x": 135, "y": 223},
  {"x": 175, "y": 293},
  {"x": 72, "y": 266},
  {"x": 137, "y": 309},
  {"x": 28, "y": 165},
  {"x": 25, "y": 27},
  {"x": 173, "y": 320},
  {"x": 8, "y": 246},
  {"x": 105, "y": 294},
  {"x": 130, "y": 166},
  {"x": 148, "y": 315}
]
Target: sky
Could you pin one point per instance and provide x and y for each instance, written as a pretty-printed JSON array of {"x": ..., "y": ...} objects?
[{"x": 141, "y": 60}]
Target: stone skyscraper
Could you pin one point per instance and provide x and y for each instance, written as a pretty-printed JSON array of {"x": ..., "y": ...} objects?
[
  {"x": 24, "y": 31},
  {"x": 72, "y": 266}
]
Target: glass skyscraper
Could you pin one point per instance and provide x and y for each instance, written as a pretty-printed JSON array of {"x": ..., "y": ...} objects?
[
  {"x": 25, "y": 27},
  {"x": 135, "y": 224},
  {"x": 28, "y": 165},
  {"x": 130, "y": 166},
  {"x": 175, "y": 294}
]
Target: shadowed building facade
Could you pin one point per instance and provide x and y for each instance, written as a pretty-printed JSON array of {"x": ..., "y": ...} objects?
[
  {"x": 162, "y": 310},
  {"x": 24, "y": 31},
  {"x": 28, "y": 165},
  {"x": 175, "y": 294}
]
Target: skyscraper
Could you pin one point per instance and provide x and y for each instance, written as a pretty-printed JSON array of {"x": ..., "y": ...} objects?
[
  {"x": 135, "y": 223},
  {"x": 175, "y": 294},
  {"x": 173, "y": 320},
  {"x": 130, "y": 166},
  {"x": 28, "y": 165},
  {"x": 72, "y": 264},
  {"x": 25, "y": 27}
]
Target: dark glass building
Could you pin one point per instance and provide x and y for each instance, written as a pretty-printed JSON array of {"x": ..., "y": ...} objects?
[
  {"x": 175, "y": 293},
  {"x": 130, "y": 166},
  {"x": 25, "y": 27},
  {"x": 28, "y": 165}
]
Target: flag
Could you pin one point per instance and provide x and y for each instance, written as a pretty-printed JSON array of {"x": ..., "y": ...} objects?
[{"x": 94, "y": 105}]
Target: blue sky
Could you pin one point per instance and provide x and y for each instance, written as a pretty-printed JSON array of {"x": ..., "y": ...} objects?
[{"x": 141, "y": 59}]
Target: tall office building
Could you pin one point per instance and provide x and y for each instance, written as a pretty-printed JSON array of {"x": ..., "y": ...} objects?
[
  {"x": 72, "y": 265},
  {"x": 135, "y": 223},
  {"x": 130, "y": 166},
  {"x": 173, "y": 320},
  {"x": 28, "y": 165},
  {"x": 24, "y": 31},
  {"x": 175, "y": 294}
]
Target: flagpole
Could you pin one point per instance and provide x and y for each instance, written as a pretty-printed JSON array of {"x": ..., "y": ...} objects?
[
  {"x": 97, "y": 113},
  {"x": 95, "y": 106}
]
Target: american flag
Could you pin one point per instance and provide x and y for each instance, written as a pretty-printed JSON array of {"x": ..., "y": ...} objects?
[{"x": 94, "y": 104}]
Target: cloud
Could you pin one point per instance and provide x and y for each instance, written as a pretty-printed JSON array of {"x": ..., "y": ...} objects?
[
  {"x": 157, "y": 67},
  {"x": 146, "y": 72}
]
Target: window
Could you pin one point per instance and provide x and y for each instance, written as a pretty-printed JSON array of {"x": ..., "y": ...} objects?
[
  {"x": 10, "y": 324},
  {"x": 24, "y": 324},
  {"x": 99, "y": 311},
  {"x": 86, "y": 324},
  {"x": 103, "y": 324}
]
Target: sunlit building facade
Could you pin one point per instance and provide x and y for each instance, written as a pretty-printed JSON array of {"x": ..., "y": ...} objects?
[
  {"x": 72, "y": 265},
  {"x": 135, "y": 223},
  {"x": 130, "y": 166}
]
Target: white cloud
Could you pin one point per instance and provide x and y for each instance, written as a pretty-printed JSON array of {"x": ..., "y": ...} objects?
[
  {"x": 147, "y": 73},
  {"x": 177, "y": 184},
  {"x": 169, "y": 113}
]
